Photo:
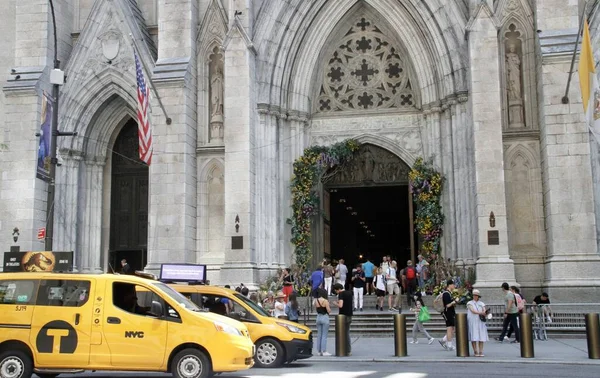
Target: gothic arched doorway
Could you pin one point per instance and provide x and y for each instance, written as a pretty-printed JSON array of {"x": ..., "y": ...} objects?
[
  {"x": 129, "y": 202},
  {"x": 368, "y": 209}
]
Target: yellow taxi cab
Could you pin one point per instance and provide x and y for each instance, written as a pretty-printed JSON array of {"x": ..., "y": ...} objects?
[
  {"x": 277, "y": 341},
  {"x": 54, "y": 323}
]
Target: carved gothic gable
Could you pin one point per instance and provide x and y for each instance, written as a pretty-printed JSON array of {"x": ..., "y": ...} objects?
[
  {"x": 371, "y": 165},
  {"x": 511, "y": 8},
  {"x": 214, "y": 26},
  {"x": 106, "y": 44},
  {"x": 366, "y": 71}
]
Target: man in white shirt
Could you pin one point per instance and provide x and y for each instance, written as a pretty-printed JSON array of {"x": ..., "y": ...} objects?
[{"x": 343, "y": 272}]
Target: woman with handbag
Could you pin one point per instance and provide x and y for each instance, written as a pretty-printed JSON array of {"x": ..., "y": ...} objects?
[
  {"x": 421, "y": 316},
  {"x": 476, "y": 317}
]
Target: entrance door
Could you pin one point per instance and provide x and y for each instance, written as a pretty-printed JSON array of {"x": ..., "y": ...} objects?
[
  {"x": 129, "y": 202},
  {"x": 369, "y": 212}
]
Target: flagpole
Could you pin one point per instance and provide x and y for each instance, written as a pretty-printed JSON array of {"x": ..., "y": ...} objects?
[
  {"x": 565, "y": 99},
  {"x": 137, "y": 51}
]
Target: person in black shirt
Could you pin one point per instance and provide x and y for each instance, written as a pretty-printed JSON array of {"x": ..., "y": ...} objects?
[
  {"x": 449, "y": 315},
  {"x": 345, "y": 305},
  {"x": 125, "y": 267},
  {"x": 543, "y": 303},
  {"x": 358, "y": 283}
]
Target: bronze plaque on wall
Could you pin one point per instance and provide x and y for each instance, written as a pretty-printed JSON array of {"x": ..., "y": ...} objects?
[
  {"x": 493, "y": 238},
  {"x": 237, "y": 242}
]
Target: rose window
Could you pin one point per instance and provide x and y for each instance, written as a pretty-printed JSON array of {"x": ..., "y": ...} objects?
[{"x": 366, "y": 71}]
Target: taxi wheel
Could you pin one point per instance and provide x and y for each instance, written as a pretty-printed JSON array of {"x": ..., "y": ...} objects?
[
  {"x": 269, "y": 354},
  {"x": 191, "y": 363},
  {"x": 15, "y": 364}
]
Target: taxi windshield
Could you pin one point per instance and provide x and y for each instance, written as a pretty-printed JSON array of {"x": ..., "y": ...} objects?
[
  {"x": 177, "y": 297},
  {"x": 252, "y": 305}
]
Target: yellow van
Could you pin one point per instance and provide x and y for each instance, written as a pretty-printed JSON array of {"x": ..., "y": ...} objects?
[
  {"x": 53, "y": 323},
  {"x": 277, "y": 341}
]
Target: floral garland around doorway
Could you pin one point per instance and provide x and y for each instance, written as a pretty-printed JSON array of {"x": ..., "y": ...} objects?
[
  {"x": 308, "y": 170},
  {"x": 426, "y": 185}
]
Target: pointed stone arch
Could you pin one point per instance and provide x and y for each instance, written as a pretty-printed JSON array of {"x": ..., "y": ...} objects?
[
  {"x": 211, "y": 211},
  {"x": 292, "y": 38},
  {"x": 364, "y": 68}
]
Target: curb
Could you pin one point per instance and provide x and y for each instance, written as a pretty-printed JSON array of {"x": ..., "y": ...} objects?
[{"x": 457, "y": 360}]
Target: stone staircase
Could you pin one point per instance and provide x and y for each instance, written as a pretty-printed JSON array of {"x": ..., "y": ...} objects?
[{"x": 375, "y": 323}]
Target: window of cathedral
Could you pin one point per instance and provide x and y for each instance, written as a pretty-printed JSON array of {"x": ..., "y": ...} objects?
[{"x": 366, "y": 71}]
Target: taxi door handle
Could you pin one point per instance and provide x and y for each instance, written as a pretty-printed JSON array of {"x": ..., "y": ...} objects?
[
  {"x": 77, "y": 319},
  {"x": 112, "y": 320}
]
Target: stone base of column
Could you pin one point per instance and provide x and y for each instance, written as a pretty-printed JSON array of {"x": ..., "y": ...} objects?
[
  {"x": 530, "y": 274},
  {"x": 491, "y": 273},
  {"x": 573, "y": 278},
  {"x": 235, "y": 274}
]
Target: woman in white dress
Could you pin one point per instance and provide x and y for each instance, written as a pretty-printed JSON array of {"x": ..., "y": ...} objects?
[{"x": 478, "y": 333}]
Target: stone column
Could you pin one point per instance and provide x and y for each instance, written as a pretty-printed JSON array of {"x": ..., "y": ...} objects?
[
  {"x": 89, "y": 256},
  {"x": 67, "y": 203},
  {"x": 572, "y": 262},
  {"x": 240, "y": 159},
  {"x": 494, "y": 265},
  {"x": 447, "y": 168},
  {"x": 173, "y": 173}
]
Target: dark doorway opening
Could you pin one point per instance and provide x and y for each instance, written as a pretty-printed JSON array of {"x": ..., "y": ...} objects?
[
  {"x": 129, "y": 202},
  {"x": 370, "y": 222}
]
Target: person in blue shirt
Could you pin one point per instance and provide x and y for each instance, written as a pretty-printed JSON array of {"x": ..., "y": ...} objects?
[
  {"x": 368, "y": 269},
  {"x": 317, "y": 280}
]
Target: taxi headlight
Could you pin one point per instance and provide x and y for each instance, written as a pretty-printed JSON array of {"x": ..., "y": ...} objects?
[
  {"x": 292, "y": 328},
  {"x": 222, "y": 327}
]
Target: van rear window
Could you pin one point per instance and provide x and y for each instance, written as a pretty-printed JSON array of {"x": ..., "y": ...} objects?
[{"x": 18, "y": 291}]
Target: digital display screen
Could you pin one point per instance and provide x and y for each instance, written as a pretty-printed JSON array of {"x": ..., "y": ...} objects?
[{"x": 183, "y": 272}]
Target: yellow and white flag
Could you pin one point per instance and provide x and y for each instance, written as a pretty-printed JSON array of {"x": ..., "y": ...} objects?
[{"x": 589, "y": 84}]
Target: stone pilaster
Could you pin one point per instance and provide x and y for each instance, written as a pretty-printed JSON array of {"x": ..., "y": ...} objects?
[
  {"x": 572, "y": 262},
  {"x": 173, "y": 172},
  {"x": 447, "y": 168},
  {"x": 494, "y": 264},
  {"x": 240, "y": 158}
]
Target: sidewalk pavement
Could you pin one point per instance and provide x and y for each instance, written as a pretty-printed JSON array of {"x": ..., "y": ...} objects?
[{"x": 379, "y": 349}]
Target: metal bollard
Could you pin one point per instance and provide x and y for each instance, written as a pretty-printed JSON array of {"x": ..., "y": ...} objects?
[
  {"x": 462, "y": 335},
  {"x": 400, "y": 335},
  {"x": 341, "y": 340},
  {"x": 592, "y": 330},
  {"x": 526, "y": 332}
]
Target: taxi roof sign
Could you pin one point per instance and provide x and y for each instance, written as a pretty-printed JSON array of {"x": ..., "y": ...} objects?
[{"x": 183, "y": 272}]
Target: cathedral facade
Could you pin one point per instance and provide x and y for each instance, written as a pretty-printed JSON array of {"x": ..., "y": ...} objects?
[{"x": 475, "y": 85}]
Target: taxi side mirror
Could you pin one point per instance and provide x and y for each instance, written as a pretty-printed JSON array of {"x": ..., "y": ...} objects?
[{"x": 156, "y": 309}]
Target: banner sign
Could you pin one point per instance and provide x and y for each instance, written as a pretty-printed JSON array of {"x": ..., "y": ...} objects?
[
  {"x": 43, "y": 158},
  {"x": 38, "y": 261}
]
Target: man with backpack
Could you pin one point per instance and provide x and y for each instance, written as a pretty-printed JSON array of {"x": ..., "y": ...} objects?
[
  {"x": 410, "y": 275},
  {"x": 444, "y": 304}
]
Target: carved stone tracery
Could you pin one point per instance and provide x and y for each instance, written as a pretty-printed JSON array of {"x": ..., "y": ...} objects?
[
  {"x": 371, "y": 165},
  {"x": 366, "y": 71}
]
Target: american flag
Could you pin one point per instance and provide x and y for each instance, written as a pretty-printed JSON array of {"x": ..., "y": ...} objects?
[{"x": 144, "y": 132}]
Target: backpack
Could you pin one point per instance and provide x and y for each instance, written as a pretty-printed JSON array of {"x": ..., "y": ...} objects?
[
  {"x": 520, "y": 302},
  {"x": 410, "y": 273},
  {"x": 438, "y": 302}
]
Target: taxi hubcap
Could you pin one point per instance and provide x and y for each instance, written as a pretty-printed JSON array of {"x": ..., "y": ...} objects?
[
  {"x": 266, "y": 353},
  {"x": 11, "y": 367},
  {"x": 190, "y": 367}
]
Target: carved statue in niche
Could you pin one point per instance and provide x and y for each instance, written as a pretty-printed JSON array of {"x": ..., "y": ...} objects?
[
  {"x": 216, "y": 97},
  {"x": 514, "y": 75}
]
